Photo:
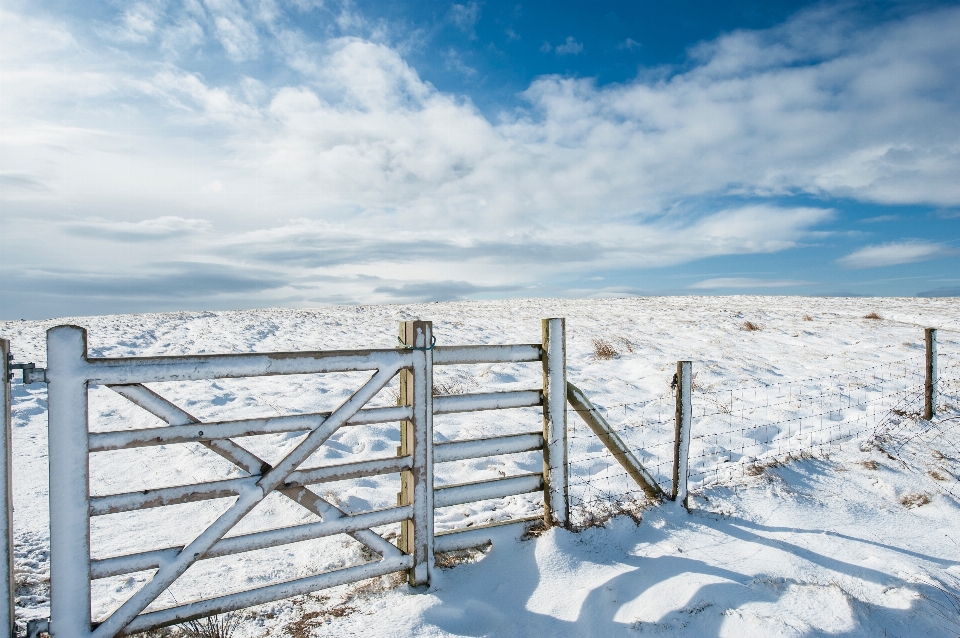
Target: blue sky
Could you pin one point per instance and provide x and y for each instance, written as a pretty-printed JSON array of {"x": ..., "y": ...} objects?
[{"x": 214, "y": 154}]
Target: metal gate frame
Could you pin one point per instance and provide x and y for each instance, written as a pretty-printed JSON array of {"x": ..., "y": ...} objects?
[{"x": 70, "y": 371}]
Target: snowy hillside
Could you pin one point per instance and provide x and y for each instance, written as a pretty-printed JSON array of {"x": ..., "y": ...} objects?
[{"x": 824, "y": 505}]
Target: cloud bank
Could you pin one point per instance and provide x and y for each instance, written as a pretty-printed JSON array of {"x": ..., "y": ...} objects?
[{"x": 343, "y": 163}]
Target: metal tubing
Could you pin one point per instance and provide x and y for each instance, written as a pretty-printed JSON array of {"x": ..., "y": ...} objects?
[
  {"x": 556, "y": 504},
  {"x": 145, "y": 499},
  {"x": 930, "y": 380},
  {"x": 130, "y": 563},
  {"x": 7, "y": 615},
  {"x": 453, "y": 540},
  {"x": 251, "y": 463},
  {"x": 681, "y": 451},
  {"x": 483, "y": 490},
  {"x": 344, "y": 471},
  {"x": 261, "y": 595},
  {"x": 248, "y": 499},
  {"x": 193, "y": 432},
  {"x": 227, "y": 366},
  {"x": 592, "y": 417},
  {"x": 69, "y": 480},
  {"x": 453, "y": 403},
  {"x": 462, "y": 355},
  {"x": 129, "y": 501},
  {"x": 493, "y": 446}
]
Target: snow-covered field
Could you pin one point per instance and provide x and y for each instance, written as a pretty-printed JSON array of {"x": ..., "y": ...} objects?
[{"x": 851, "y": 539}]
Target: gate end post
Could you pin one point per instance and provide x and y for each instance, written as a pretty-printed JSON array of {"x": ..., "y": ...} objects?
[
  {"x": 556, "y": 498},
  {"x": 930, "y": 380},
  {"x": 681, "y": 449},
  {"x": 416, "y": 439},
  {"x": 69, "y": 482},
  {"x": 7, "y": 617}
]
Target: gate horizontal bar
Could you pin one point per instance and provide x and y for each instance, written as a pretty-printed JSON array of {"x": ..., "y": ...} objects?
[
  {"x": 123, "y": 439},
  {"x": 130, "y": 563},
  {"x": 482, "y": 490},
  {"x": 344, "y": 471},
  {"x": 129, "y": 501},
  {"x": 454, "y": 355},
  {"x": 453, "y": 403},
  {"x": 261, "y": 595},
  {"x": 454, "y": 539},
  {"x": 493, "y": 446},
  {"x": 127, "y": 370}
]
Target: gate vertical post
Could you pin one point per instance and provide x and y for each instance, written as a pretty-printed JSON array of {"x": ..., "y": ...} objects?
[
  {"x": 930, "y": 382},
  {"x": 555, "y": 483},
  {"x": 681, "y": 449},
  {"x": 7, "y": 619},
  {"x": 69, "y": 482},
  {"x": 416, "y": 439}
]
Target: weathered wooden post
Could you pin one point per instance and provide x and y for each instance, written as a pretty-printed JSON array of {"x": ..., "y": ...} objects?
[
  {"x": 555, "y": 484},
  {"x": 6, "y": 508},
  {"x": 930, "y": 383},
  {"x": 416, "y": 439},
  {"x": 681, "y": 450}
]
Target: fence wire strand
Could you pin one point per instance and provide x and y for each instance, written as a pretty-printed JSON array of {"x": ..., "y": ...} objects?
[{"x": 737, "y": 431}]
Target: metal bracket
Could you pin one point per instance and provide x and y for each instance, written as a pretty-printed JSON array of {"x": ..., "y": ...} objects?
[
  {"x": 38, "y": 626},
  {"x": 31, "y": 373}
]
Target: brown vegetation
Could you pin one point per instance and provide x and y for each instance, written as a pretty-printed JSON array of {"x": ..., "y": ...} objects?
[{"x": 603, "y": 349}]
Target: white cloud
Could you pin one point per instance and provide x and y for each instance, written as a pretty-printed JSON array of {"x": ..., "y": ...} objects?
[
  {"x": 745, "y": 282},
  {"x": 466, "y": 16},
  {"x": 355, "y": 145},
  {"x": 570, "y": 47},
  {"x": 896, "y": 253},
  {"x": 236, "y": 33}
]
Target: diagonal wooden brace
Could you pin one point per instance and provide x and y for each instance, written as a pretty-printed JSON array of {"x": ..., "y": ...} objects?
[
  {"x": 172, "y": 414},
  {"x": 248, "y": 499}
]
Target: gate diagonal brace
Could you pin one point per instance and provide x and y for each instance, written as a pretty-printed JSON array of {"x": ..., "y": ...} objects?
[
  {"x": 248, "y": 499},
  {"x": 172, "y": 414}
]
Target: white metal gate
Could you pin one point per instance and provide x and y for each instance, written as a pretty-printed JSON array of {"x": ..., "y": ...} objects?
[{"x": 70, "y": 372}]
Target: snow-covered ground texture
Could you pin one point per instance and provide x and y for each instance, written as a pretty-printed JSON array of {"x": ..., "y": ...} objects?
[{"x": 823, "y": 504}]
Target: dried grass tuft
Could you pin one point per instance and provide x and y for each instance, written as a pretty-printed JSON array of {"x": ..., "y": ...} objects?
[
  {"x": 222, "y": 626},
  {"x": 914, "y": 500},
  {"x": 872, "y": 315},
  {"x": 603, "y": 349},
  {"x": 807, "y": 318},
  {"x": 749, "y": 326},
  {"x": 869, "y": 465}
]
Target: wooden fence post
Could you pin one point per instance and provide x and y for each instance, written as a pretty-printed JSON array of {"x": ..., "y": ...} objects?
[
  {"x": 681, "y": 450},
  {"x": 556, "y": 503},
  {"x": 416, "y": 439},
  {"x": 6, "y": 508},
  {"x": 930, "y": 383}
]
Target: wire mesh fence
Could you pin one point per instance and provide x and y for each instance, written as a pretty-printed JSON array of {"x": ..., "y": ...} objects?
[{"x": 736, "y": 431}]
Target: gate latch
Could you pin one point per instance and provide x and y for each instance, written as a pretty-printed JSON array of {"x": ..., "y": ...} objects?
[{"x": 31, "y": 373}]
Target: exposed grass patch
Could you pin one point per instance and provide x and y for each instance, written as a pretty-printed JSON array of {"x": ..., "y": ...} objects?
[
  {"x": 937, "y": 475},
  {"x": 807, "y": 318},
  {"x": 222, "y": 626},
  {"x": 870, "y": 465},
  {"x": 914, "y": 500},
  {"x": 872, "y": 315},
  {"x": 749, "y": 326},
  {"x": 603, "y": 349}
]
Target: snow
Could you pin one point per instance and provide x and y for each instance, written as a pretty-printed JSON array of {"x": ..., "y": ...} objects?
[{"x": 802, "y": 522}]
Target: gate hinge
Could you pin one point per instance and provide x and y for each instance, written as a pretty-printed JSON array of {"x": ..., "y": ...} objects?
[{"x": 31, "y": 373}]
